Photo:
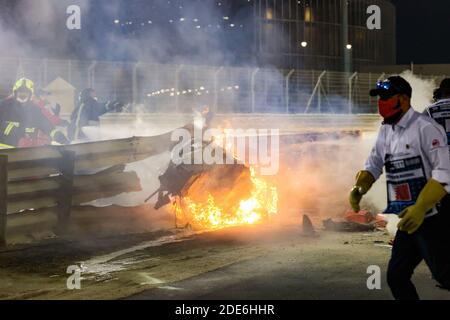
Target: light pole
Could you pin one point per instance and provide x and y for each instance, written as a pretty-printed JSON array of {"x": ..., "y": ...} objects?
[
  {"x": 344, "y": 37},
  {"x": 349, "y": 60}
]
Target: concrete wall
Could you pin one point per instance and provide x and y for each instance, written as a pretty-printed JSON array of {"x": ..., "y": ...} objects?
[{"x": 285, "y": 123}]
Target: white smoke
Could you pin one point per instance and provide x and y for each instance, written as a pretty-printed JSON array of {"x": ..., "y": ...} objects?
[
  {"x": 422, "y": 90},
  {"x": 37, "y": 29}
]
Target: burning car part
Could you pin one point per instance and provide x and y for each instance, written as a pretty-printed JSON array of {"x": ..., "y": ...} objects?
[{"x": 215, "y": 196}]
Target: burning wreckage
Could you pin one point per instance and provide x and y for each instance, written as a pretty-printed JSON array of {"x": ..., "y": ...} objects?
[
  {"x": 209, "y": 197},
  {"x": 200, "y": 196},
  {"x": 204, "y": 196}
]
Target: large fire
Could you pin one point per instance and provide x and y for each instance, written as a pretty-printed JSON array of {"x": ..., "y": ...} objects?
[
  {"x": 241, "y": 205},
  {"x": 226, "y": 195}
]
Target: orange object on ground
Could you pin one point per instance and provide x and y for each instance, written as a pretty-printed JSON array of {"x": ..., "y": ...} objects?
[
  {"x": 363, "y": 216},
  {"x": 380, "y": 221}
]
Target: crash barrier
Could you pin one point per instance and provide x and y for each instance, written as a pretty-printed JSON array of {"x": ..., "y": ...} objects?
[{"x": 59, "y": 177}]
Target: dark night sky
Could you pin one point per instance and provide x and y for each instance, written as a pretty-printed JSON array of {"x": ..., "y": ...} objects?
[
  {"x": 423, "y": 31},
  {"x": 423, "y": 28}
]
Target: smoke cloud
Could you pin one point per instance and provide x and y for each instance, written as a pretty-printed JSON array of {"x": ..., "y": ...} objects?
[
  {"x": 422, "y": 90},
  {"x": 161, "y": 31}
]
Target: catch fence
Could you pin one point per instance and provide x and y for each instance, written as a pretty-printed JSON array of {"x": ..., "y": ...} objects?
[{"x": 179, "y": 88}]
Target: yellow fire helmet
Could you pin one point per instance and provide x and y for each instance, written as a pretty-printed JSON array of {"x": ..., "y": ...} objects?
[{"x": 24, "y": 83}]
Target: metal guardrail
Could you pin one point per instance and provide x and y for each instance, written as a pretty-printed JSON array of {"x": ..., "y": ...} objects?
[
  {"x": 179, "y": 88},
  {"x": 55, "y": 178}
]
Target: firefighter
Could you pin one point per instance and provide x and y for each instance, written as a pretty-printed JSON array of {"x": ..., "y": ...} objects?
[
  {"x": 21, "y": 119},
  {"x": 440, "y": 110},
  {"x": 88, "y": 112},
  {"x": 412, "y": 148},
  {"x": 51, "y": 113}
]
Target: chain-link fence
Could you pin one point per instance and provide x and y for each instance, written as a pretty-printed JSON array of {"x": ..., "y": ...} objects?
[{"x": 179, "y": 88}]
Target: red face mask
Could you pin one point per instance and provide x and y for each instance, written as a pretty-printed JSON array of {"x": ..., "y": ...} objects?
[{"x": 389, "y": 108}]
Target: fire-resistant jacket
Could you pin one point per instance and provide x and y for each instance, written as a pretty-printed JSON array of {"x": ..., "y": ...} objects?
[{"x": 19, "y": 122}]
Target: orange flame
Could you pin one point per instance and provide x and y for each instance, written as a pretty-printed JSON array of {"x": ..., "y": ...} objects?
[{"x": 260, "y": 206}]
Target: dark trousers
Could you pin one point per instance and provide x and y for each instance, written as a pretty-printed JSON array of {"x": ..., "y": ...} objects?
[{"x": 431, "y": 242}]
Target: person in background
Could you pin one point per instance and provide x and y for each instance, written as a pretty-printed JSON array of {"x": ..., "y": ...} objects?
[
  {"x": 440, "y": 110},
  {"x": 21, "y": 119},
  {"x": 412, "y": 148},
  {"x": 51, "y": 112},
  {"x": 88, "y": 112}
]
